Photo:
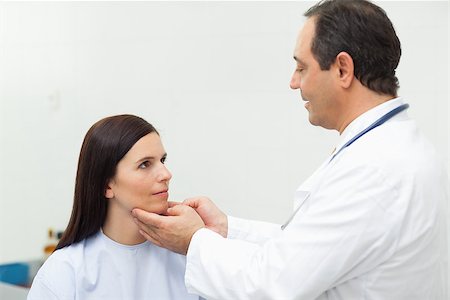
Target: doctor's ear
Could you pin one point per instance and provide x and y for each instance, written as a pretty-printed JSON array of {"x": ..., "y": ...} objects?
[
  {"x": 344, "y": 63},
  {"x": 109, "y": 194}
]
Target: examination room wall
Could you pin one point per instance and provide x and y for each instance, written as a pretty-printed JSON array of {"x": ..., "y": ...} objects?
[{"x": 213, "y": 77}]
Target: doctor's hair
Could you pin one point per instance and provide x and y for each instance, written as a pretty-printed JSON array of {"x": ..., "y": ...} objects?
[
  {"x": 104, "y": 145},
  {"x": 364, "y": 31}
]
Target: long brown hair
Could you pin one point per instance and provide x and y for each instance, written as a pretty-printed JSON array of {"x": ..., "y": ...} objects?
[{"x": 104, "y": 145}]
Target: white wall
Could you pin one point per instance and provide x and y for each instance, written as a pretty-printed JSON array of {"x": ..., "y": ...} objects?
[{"x": 212, "y": 76}]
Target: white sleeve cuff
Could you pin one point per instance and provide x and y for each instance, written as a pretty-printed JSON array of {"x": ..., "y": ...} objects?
[{"x": 235, "y": 226}]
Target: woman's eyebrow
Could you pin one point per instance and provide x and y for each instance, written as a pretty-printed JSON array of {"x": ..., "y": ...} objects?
[
  {"x": 145, "y": 158},
  {"x": 150, "y": 158}
]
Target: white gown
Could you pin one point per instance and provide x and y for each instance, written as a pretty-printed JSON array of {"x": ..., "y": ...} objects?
[{"x": 100, "y": 268}]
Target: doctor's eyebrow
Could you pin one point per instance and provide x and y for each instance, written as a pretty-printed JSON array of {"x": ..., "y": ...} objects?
[{"x": 298, "y": 60}]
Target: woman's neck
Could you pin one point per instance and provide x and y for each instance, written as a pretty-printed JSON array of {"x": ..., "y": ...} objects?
[{"x": 120, "y": 227}]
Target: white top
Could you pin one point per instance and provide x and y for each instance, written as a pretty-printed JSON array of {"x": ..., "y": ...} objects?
[
  {"x": 100, "y": 268},
  {"x": 372, "y": 227}
]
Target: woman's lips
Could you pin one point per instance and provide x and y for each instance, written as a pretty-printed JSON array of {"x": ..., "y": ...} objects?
[{"x": 162, "y": 194}]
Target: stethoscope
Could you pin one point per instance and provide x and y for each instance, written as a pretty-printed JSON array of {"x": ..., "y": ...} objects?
[{"x": 375, "y": 124}]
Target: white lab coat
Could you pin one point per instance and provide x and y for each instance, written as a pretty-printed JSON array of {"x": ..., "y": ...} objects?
[{"x": 372, "y": 227}]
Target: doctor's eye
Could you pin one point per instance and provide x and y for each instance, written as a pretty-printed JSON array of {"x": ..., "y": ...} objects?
[{"x": 163, "y": 159}]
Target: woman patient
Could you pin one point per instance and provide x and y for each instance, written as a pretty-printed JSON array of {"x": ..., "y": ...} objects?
[{"x": 101, "y": 254}]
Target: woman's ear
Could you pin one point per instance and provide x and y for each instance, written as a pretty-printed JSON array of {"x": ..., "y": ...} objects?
[
  {"x": 109, "y": 194},
  {"x": 344, "y": 63}
]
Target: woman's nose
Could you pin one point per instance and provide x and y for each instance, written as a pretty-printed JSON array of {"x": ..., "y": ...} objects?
[{"x": 165, "y": 174}]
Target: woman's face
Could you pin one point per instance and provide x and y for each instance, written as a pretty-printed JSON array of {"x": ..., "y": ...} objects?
[{"x": 141, "y": 179}]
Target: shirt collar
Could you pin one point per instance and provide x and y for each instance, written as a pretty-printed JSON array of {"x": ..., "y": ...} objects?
[{"x": 365, "y": 120}]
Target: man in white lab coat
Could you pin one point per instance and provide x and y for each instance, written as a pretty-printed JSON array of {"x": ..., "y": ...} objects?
[{"x": 369, "y": 223}]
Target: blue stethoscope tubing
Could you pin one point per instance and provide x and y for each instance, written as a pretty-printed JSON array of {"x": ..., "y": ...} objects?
[{"x": 375, "y": 124}]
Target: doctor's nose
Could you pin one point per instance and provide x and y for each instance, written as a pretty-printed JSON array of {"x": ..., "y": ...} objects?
[{"x": 295, "y": 81}]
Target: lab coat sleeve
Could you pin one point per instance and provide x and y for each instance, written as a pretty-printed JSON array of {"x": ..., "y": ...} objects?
[
  {"x": 251, "y": 231},
  {"x": 342, "y": 233}
]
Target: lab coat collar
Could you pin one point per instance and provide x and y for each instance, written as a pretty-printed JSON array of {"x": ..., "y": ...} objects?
[{"x": 365, "y": 120}]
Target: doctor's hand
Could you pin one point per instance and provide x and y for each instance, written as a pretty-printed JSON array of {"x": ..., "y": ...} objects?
[
  {"x": 211, "y": 215},
  {"x": 173, "y": 231}
]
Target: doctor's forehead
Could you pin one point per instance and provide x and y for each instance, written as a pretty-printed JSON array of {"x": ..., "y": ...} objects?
[{"x": 304, "y": 40}]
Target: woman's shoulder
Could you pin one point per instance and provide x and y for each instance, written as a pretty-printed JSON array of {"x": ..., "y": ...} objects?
[
  {"x": 61, "y": 261},
  {"x": 56, "y": 277},
  {"x": 66, "y": 259}
]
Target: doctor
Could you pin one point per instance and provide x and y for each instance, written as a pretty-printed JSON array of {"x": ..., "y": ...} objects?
[{"x": 369, "y": 223}]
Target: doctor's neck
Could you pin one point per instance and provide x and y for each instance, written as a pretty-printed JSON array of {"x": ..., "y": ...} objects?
[{"x": 358, "y": 102}]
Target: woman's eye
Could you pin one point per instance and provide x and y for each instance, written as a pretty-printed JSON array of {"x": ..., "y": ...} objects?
[
  {"x": 144, "y": 165},
  {"x": 163, "y": 160}
]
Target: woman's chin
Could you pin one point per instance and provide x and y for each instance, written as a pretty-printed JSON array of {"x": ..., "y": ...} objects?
[{"x": 160, "y": 209}]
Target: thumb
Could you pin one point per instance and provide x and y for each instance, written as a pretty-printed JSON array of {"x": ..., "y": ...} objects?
[
  {"x": 177, "y": 210},
  {"x": 192, "y": 202},
  {"x": 147, "y": 217},
  {"x": 173, "y": 203}
]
